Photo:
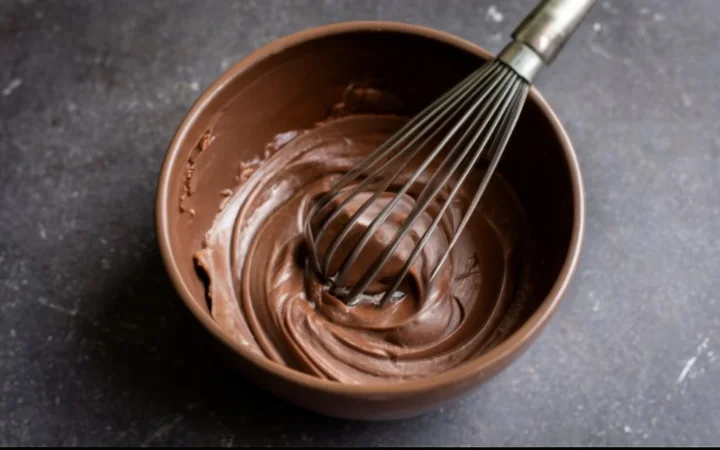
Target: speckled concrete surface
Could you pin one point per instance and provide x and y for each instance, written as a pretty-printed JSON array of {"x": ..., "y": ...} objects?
[{"x": 95, "y": 348}]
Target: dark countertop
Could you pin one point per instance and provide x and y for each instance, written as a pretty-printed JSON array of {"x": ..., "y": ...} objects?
[{"x": 96, "y": 348}]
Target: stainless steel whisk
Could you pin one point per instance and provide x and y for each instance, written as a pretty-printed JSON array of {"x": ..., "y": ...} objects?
[{"x": 480, "y": 113}]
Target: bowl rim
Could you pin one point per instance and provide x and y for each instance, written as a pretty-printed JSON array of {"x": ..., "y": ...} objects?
[{"x": 512, "y": 346}]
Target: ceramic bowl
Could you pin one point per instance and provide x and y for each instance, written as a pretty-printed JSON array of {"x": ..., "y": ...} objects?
[{"x": 291, "y": 84}]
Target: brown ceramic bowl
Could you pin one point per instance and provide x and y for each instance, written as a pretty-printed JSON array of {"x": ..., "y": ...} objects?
[{"x": 291, "y": 84}]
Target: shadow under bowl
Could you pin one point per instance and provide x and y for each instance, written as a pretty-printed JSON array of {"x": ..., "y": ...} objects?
[{"x": 291, "y": 84}]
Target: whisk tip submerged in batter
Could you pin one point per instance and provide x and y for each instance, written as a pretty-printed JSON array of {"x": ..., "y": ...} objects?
[{"x": 410, "y": 182}]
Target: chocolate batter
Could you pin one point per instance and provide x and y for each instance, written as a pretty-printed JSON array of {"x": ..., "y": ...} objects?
[{"x": 264, "y": 295}]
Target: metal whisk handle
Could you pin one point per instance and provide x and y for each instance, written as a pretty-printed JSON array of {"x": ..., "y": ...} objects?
[{"x": 540, "y": 37}]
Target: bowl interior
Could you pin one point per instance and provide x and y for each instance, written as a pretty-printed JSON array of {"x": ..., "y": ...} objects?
[{"x": 291, "y": 88}]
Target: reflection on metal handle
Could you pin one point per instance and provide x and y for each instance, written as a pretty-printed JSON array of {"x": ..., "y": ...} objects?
[
  {"x": 541, "y": 36},
  {"x": 550, "y": 25}
]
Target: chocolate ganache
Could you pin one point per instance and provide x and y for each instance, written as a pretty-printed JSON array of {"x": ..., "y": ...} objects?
[{"x": 264, "y": 295}]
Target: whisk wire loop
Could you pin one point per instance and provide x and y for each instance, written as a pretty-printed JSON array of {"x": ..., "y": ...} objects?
[
  {"x": 432, "y": 126},
  {"x": 378, "y": 221},
  {"x": 454, "y": 95},
  {"x": 432, "y": 188}
]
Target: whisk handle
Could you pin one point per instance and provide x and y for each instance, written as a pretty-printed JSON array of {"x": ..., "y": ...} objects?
[
  {"x": 550, "y": 24},
  {"x": 542, "y": 34}
]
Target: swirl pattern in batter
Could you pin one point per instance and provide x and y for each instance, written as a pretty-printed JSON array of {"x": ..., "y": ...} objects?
[{"x": 263, "y": 295}]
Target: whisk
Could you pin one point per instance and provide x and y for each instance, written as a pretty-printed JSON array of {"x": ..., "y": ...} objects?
[{"x": 477, "y": 117}]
